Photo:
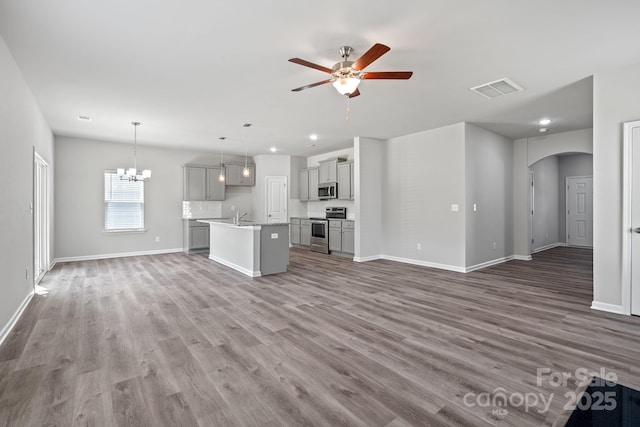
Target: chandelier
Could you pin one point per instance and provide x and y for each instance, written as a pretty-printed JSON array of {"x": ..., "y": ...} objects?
[{"x": 131, "y": 174}]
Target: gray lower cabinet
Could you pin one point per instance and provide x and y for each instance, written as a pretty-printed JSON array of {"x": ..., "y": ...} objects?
[
  {"x": 202, "y": 183},
  {"x": 341, "y": 236},
  {"x": 348, "y": 245},
  {"x": 335, "y": 238},
  {"x": 195, "y": 236},
  {"x": 305, "y": 232},
  {"x": 294, "y": 227}
]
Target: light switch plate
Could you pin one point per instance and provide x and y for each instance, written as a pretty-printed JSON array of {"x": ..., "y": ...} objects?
[{"x": 454, "y": 207}]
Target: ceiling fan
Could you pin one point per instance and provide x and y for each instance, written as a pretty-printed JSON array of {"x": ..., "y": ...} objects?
[{"x": 346, "y": 75}]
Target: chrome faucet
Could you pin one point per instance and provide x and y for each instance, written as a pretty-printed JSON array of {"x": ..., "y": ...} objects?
[{"x": 239, "y": 217}]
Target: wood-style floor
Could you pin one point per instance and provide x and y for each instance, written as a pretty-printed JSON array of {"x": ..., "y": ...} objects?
[{"x": 179, "y": 340}]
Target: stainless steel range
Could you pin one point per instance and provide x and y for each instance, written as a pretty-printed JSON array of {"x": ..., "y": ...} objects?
[{"x": 320, "y": 229}]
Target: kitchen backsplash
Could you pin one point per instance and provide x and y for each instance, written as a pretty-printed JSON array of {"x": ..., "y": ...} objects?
[
  {"x": 200, "y": 210},
  {"x": 317, "y": 209}
]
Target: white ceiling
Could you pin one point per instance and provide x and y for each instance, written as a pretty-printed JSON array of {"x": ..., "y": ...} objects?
[{"x": 192, "y": 71}]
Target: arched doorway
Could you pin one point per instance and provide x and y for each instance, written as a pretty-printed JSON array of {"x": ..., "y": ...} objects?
[{"x": 562, "y": 202}]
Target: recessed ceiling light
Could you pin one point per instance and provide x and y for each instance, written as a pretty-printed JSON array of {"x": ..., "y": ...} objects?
[
  {"x": 542, "y": 130},
  {"x": 313, "y": 137},
  {"x": 273, "y": 149},
  {"x": 544, "y": 122},
  {"x": 84, "y": 118}
]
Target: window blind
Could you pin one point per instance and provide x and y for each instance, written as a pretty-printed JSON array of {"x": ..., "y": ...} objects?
[{"x": 123, "y": 203}]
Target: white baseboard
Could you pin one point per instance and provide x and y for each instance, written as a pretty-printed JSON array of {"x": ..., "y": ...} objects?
[
  {"x": 610, "y": 308},
  {"x": 116, "y": 255},
  {"x": 550, "y": 246},
  {"x": 522, "y": 257},
  {"x": 367, "y": 258},
  {"x": 448, "y": 267},
  {"x": 14, "y": 319},
  {"x": 425, "y": 263},
  {"x": 488, "y": 263},
  {"x": 236, "y": 267}
]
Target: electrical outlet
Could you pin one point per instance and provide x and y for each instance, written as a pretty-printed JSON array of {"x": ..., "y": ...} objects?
[
  {"x": 274, "y": 235},
  {"x": 233, "y": 207},
  {"x": 455, "y": 207},
  {"x": 475, "y": 207},
  {"x": 495, "y": 245},
  {"x": 419, "y": 246},
  {"x": 157, "y": 238}
]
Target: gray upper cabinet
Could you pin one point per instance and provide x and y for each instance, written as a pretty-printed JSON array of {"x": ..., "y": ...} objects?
[
  {"x": 234, "y": 176},
  {"x": 313, "y": 184},
  {"x": 308, "y": 184},
  {"x": 215, "y": 188},
  {"x": 195, "y": 183},
  {"x": 345, "y": 181},
  {"x": 328, "y": 171},
  {"x": 201, "y": 183},
  {"x": 304, "y": 184}
]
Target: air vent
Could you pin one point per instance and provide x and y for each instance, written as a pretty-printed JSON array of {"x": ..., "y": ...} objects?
[{"x": 497, "y": 88}]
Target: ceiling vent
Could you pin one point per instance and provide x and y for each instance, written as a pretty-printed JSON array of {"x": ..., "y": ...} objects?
[{"x": 497, "y": 88}]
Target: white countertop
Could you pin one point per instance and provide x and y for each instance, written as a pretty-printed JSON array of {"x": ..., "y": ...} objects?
[{"x": 228, "y": 222}]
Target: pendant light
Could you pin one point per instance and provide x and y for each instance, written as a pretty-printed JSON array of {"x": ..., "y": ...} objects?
[
  {"x": 246, "y": 172},
  {"x": 131, "y": 174},
  {"x": 221, "y": 176}
]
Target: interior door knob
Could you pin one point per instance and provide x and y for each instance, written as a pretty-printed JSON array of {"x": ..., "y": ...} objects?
[{"x": 636, "y": 230}]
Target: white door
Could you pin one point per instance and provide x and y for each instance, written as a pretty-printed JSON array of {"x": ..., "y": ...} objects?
[
  {"x": 276, "y": 198},
  {"x": 634, "y": 141},
  {"x": 40, "y": 218},
  {"x": 580, "y": 211}
]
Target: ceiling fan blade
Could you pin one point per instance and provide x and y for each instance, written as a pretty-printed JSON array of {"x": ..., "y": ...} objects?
[
  {"x": 371, "y": 55},
  {"x": 355, "y": 93},
  {"x": 298, "y": 89},
  {"x": 391, "y": 75},
  {"x": 310, "y": 65}
]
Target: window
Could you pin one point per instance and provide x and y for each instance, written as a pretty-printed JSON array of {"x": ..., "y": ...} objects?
[{"x": 123, "y": 203}]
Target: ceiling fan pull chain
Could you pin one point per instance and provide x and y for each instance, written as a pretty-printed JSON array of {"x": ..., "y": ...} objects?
[{"x": 348, "y": 108}]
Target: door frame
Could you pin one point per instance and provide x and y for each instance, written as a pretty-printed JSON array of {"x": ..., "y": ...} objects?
[
  {"x": 286, "y": 196},
  {"x": 531, "y": 213},
  {"x": 566, "y": 209},
  {"x": 627, "y": 175},
  {"x": 41, "y": 211}
]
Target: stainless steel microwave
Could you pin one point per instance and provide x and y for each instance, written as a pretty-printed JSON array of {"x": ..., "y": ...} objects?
[{"x": 328, "y": 191}]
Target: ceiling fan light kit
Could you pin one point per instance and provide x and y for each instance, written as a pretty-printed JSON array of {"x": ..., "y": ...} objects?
[{"x": 347, "y": 75}]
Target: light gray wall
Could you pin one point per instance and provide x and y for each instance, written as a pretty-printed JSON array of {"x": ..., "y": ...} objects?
[
  {"x": 424, "y": 173},
  {"x": 546, "y": 227},
  {"x": 368, "y": 176},
  {"x": 616, "y": 100},
  {"x": 22, "y": 129},
  {"x": 267, "y": 165},
  {"x": 570, "y": 165},
  {"x": 527, "y": 151},
  {"x": 488, "y": 181},
  {"x": 79, "y": 186}
]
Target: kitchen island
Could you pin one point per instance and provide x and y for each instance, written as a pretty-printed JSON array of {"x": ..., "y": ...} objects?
[{"x": 254, "y": 249}]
